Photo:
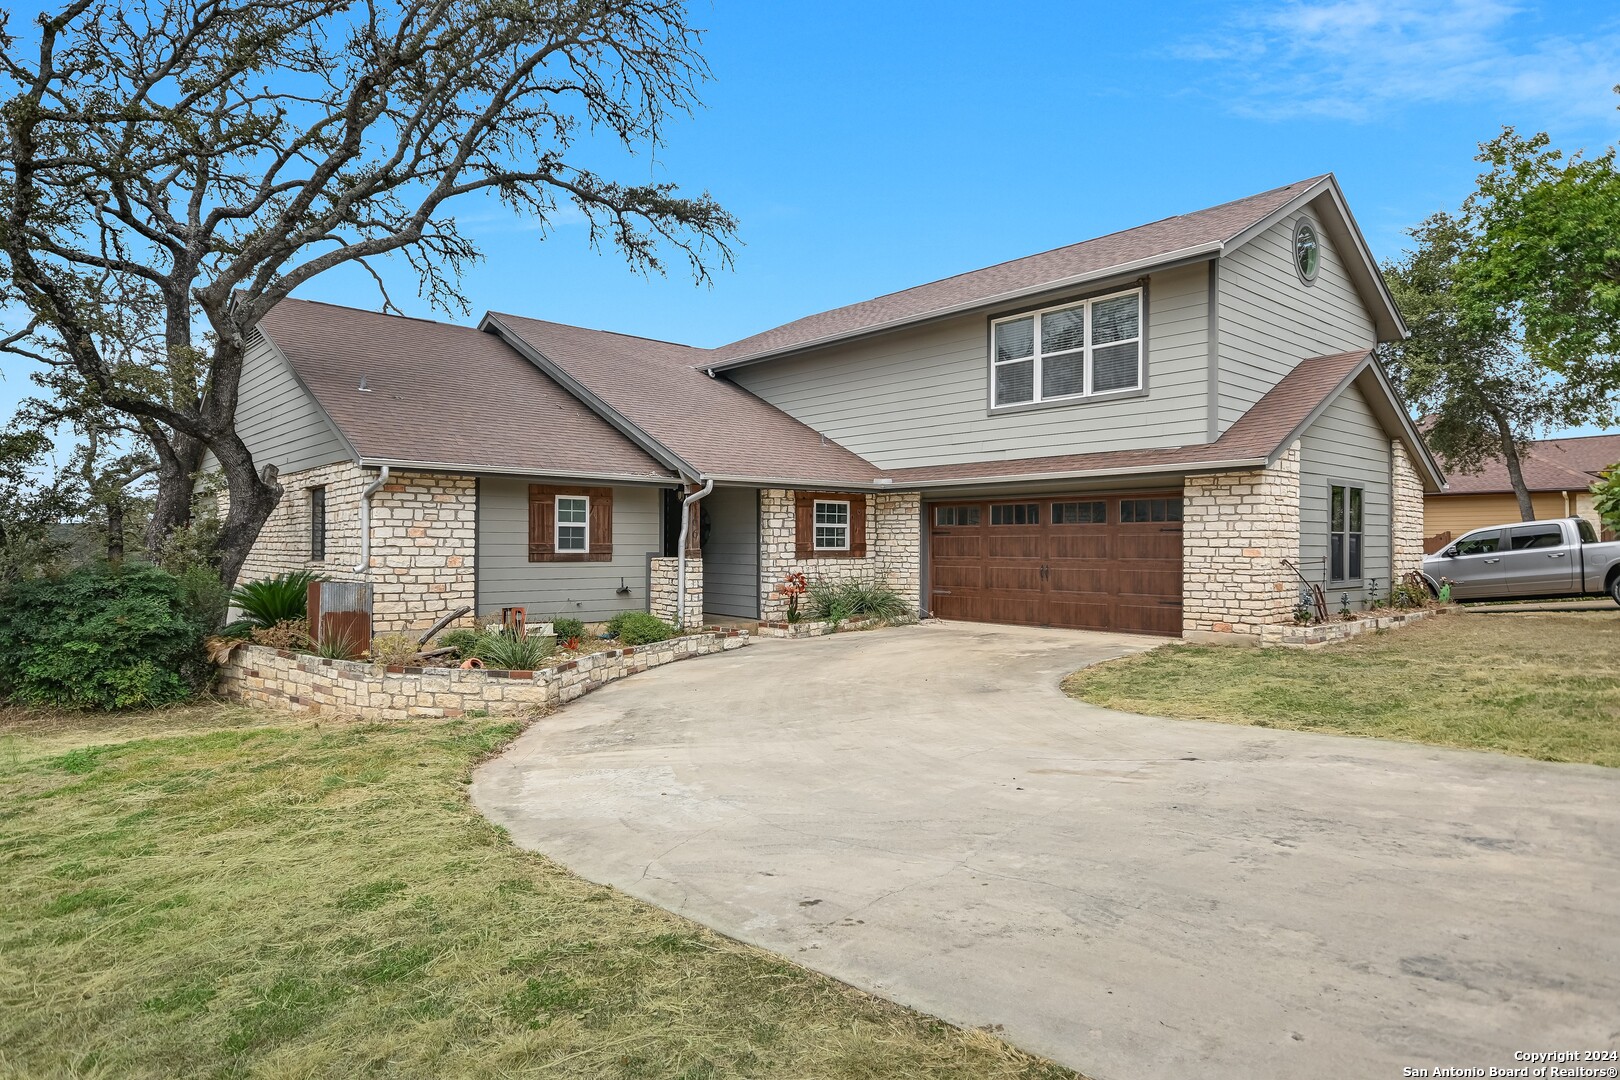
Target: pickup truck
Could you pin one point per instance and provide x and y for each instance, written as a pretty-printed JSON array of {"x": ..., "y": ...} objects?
[{"x": 1528, "y": 559}]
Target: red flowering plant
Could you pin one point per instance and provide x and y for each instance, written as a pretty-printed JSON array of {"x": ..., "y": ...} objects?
[{"x": 793, "y": 586}]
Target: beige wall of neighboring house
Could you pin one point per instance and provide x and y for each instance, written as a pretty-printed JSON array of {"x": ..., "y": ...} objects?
[{"x": 1458, "y": 514}]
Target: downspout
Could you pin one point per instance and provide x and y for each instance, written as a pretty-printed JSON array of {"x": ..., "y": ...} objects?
[
  {"x": 680, "y": 554},
  {"x": 364, "y": 566}
]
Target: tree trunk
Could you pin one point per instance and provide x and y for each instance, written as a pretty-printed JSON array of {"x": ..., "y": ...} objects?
[
  {"x": 178, "y": 462},
  {"x": 253, "y": 498},
  {"x": 115, "y": 530},
  {"x": 1510, "y": 455}
]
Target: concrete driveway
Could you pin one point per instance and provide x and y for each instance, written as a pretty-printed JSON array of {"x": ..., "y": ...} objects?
[{"x": 921, "y": 812}]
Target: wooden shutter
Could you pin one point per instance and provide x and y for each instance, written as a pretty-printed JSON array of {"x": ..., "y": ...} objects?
[
  {"x": 543, "y": 524},
  {"x": 600, "y": 531},
  {"x": 804, "y": 531},
  {"x": 804, "y": 517}
]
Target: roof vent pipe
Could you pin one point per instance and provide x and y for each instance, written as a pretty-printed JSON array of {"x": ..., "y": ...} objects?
[
  {"x": 680, "y": 554},
  {"x": 364, "y": 565}
]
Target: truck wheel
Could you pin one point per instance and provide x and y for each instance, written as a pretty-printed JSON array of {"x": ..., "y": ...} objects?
[{"x": 1614, "y": 588}]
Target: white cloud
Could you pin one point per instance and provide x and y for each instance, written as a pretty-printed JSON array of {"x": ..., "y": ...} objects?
[{"x": 1357, "y": 59}]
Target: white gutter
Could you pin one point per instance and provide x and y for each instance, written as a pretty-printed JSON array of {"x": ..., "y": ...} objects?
[
  {"x": 680, "y": 554},
  {"x": 364, "y": 566}
]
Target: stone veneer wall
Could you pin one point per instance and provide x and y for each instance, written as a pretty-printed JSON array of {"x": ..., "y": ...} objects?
[
  {"x": 1406, "y": 518},
  {"x": 665, "y": 575},
  {"x": 1237, "y": 529},
  {"x": 308, "y": 684},
  {"x": 422, "y": 540},
  {"x": 893, "y": 548}
]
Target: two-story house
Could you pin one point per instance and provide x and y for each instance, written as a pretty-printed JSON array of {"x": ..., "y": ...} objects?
[{"x": 1161, "y": 430}]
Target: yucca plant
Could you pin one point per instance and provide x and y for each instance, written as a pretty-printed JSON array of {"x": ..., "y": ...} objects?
[
  {"x": 512, "y": 651},
  {"x": 272, "y": 600},
  {"x": 836, "y": 601}
]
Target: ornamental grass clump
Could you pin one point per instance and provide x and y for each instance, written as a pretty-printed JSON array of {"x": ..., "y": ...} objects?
[{"x": 836, "y": 601}]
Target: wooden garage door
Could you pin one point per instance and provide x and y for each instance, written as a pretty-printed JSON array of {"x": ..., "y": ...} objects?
[{"x": 1092, "y": 562}]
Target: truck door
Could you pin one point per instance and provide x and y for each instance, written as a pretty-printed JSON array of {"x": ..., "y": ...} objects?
[
  {"x": 1537, "y": 562},
  {"x": 1475, "y": 568}
]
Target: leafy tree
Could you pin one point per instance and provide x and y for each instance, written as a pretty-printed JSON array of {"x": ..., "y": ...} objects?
[
  {"x": 1463, "y": 366},
  {"x": 1546, "y": 240},
  {"x": 169, "y": 171},
  {"x": 1606, "y": 497},
  {"x": 32, "y": 506}
]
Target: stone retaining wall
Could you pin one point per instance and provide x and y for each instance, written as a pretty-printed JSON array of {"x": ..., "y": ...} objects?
[
  {"x": 807, "y": 628},
  {"x": 309, "y": 684},
  {"x": 1304, "y": 637}
]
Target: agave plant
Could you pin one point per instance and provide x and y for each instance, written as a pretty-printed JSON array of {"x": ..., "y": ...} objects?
[
  {"x": 273, "y": 600},
  {"x": 515, "y": 652}
]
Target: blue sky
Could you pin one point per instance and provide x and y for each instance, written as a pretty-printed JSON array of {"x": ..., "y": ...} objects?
[{"x": 870, "y": 147}]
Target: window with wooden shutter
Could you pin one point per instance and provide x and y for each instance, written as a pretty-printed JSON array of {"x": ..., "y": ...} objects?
[
  {"x": 544, "y": 501},
  {"x": 832, "y": 527}
]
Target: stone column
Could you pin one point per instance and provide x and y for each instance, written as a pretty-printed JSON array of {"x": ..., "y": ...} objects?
[
  {"x": 1237, "y": 529},
  {"x": 661, "y": 592},
  {"x": 1406, "y": 502}
]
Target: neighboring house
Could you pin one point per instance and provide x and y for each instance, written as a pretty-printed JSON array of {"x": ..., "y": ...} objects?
[
  {"x": 1558, "y": 472},
  {"x": 1145, "y": 432}
]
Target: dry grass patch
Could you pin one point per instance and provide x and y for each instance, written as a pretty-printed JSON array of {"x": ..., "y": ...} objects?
[
  {"x": 220, "y": 892},
  {"x": 1543, "y": 686}
]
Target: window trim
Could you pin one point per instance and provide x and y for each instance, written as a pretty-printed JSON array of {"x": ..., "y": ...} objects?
[
  {"x": 1087, "y": 394},
  {"x": 1360, "y": 579},
  {"x": 557, "y": 524},
  {"x": 1293, "y": 254},
  {"x": 847, "y": 525},
  {"x": 317, "y": 523}
]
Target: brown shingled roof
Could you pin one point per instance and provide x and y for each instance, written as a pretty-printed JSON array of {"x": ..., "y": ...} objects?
[
  {"x": 444, "y": 394},
  {"x": 711, "y": 424},
  {"x": 1157, "y": 240},
  {"x": 1570, "y": 464},
  {"x": 1259, "y": 433}
]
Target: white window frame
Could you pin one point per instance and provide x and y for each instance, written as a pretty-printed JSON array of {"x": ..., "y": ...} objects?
[
  {"x": 558, "y": 524},
  {"x": 817, "y": 525},
  {"x": 1089, "y": 350}
]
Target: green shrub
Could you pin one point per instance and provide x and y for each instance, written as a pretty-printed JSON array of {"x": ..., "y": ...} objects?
[
  {"x": 463, "y": 639},
  {"x": 274, "y": 600},
  {"x": 839, "y": 600},
  {"x": 514, "y": 652},
  {"x": 100, "y": 639},
  {"x": 639, "y": 628},
  {"x": 567, "y": 629},
  {"x": 206, "y": 598}
]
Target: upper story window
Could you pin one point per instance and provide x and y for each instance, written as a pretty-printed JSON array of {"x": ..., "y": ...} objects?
[
  {"x": 1073, "y": 351},
  {"x": 1307, "y": 251}
]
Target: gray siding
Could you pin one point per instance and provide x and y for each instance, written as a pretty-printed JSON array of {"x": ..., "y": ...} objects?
[
  {"x": 731, "y": 553},
  {"x": 584, "y": 590},
  {"x": 1346, "y": 445},
  {"x": 279, "y": 422},
  {"x": 920, "y": 397},
  {"x": 1270, "y": 320}
]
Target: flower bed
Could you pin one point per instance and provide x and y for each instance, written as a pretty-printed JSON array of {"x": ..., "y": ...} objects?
[
  {"x": 309, "y": 684},
  {"x": 820, "y": 627},
  {"x": 1303, "y": 637}
]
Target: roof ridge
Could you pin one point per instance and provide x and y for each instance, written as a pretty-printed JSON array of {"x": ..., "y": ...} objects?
[
  {"x": 1307, "y": 182},
  {"x": 370, "y": 311},
  {"x": 596, "y": 330}
]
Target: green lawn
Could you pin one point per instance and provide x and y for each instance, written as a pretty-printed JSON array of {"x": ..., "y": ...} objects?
[
  {"x": 219, "y": 892},
  {"x": 1539, "y": 685}
]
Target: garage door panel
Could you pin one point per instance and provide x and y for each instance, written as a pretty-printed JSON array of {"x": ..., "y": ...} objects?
[{"x": 1081, "y": 567}]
